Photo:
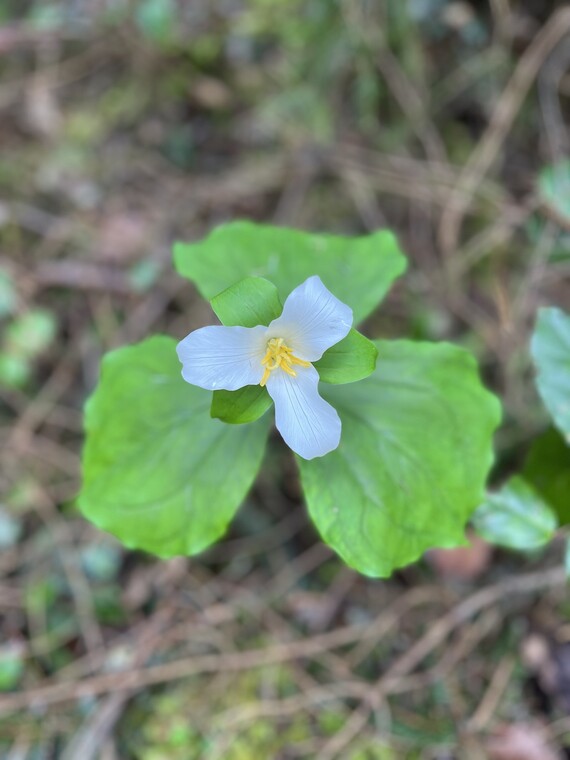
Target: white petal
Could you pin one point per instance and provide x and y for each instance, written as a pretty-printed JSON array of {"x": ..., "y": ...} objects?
[
  {"x": 309, "y": 425},
  {"x": 312, "y": 321},
  {"x": 225, "y": 358}
]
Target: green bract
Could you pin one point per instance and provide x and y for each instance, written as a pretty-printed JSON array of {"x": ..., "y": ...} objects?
[
  {"x": 255, "y": 301},
  {"x": 416, "y": 444},
  {"x": 249, "y": 302},
  {"x": 239, "y": 407},
  {"x": 354, "y": 358}
]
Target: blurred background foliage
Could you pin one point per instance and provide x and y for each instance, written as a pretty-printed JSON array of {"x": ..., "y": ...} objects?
[{"x": 125, "y": 125}]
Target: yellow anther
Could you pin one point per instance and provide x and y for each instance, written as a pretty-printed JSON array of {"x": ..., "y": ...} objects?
[{"x": 280, "y": 355}]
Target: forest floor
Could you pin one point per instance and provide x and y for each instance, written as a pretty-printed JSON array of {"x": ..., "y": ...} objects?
[{"x": 126, "y": 126}]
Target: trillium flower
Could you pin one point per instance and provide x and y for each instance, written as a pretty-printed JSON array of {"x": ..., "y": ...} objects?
[{"x": 280, "y": 357}]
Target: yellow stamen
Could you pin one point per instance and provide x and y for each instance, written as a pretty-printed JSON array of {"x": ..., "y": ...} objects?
[{"x": 280, "y": 356}]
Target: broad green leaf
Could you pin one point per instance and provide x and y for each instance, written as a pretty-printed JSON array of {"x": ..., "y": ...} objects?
[
  {"x": 554, "y": 189},
  {"x": 547, "y": 470},
  {"x": 550, "y": 348},
  {"x": 158, "y": 472},
  {"x": 515, "y": 517},
  {"x": 357, "y": 270},
  {"x": 250, "y": 302},
  {"x": 239, "y": 407},
  {"x": 352, "y": 359},
  {"x": 415, "y": 450}
]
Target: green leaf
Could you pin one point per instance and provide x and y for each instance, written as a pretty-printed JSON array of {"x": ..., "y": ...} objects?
[
  {"x": 554, "y": 190},
  {"x": 515, "y": 517},
  {"x": 537, "y": 229},
  {"x": 250, "y": 302},
  {"x": 239, "y": 407},
  {"x": 10, "y": 529},
  {"x": 158, "y": 472},
  {"x": 15, "y": 371},
  {"x": 359, "y": 271},
  {"x": 550, "y": 348},
  {"x": 30, "y": 333},
  {"x": 547, "y": 470},
  {"x": 157, "y": 19},
  {"x": 8, "y": 294},
  {"x": 415, "y": 450},
  {"x": 12, "y": 662},
  {"x": 352, "y": 359}
]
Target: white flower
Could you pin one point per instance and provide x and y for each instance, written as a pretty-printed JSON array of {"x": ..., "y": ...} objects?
[{"x": 279, "y": 357}]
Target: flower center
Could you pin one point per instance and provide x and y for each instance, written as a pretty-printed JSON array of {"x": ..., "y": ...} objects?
[{"x": 280, "y": 355}]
